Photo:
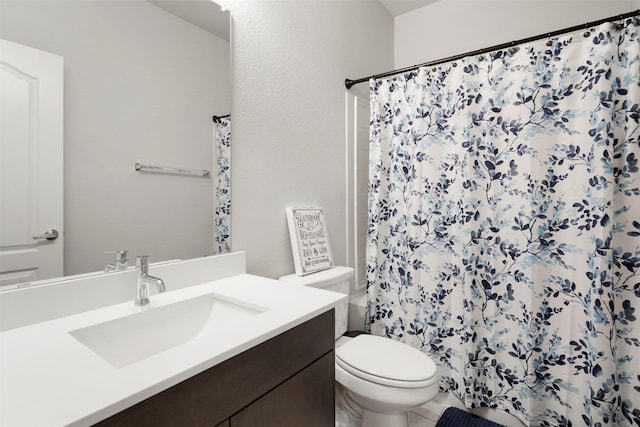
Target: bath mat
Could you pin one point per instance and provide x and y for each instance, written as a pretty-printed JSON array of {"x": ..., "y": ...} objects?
[{"x": 454, "y": 417}]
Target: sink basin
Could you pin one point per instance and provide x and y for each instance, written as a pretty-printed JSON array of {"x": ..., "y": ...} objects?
[{"x": 128, "y": 339}]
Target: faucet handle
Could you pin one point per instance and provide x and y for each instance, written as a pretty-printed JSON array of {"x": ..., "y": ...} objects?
[
  {"x": 142, "y": 262},
  {"x": 121, "y": 261},
  {"x": 121, "y": 256}
]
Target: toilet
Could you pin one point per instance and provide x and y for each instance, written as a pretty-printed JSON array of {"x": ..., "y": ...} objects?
[{"x": 380, "y": 379}]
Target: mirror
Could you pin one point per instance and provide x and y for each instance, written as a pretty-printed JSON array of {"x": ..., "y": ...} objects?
[{"x": 142, "y": 80}]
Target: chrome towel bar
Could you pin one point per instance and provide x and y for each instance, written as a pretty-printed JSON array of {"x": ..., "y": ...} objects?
[{"x": 166, "y": 169}]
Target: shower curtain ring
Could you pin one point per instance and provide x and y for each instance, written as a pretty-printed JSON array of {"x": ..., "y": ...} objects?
[{"x": 549, "y": 42}]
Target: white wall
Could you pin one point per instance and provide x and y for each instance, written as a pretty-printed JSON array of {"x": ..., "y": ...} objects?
[
  {"x": 141, "y": 85},
  {"x": 451, "y": 27},
  {"x": 290, "y": 59}
]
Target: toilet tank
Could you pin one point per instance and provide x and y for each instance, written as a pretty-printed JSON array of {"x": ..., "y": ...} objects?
[{"x": 334, "y": 279}]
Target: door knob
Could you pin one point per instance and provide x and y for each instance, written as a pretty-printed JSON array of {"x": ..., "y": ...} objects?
[{"x": 48, "y": 235}]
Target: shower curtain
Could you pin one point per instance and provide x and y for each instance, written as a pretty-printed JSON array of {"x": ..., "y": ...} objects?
[
  {"x": 504, "y": 225},
  {"x": 222, "y": 186}
]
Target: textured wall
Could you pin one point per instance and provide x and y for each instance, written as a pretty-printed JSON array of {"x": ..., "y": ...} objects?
[
  {"x": 289, "y": 62},
  {"x": 451, "y": 27}
]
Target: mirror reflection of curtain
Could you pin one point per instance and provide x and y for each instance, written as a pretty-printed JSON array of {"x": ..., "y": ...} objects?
[
  {"x": 504, "y": 234},
  {"x": 222, "y": 186}
]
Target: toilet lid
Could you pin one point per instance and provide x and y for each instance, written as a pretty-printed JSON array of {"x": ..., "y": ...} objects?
[{"x": 387, "y": 362}]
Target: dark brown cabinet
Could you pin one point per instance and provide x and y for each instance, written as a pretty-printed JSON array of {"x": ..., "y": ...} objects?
[
  {"x": 297, "y": 402},
  {"x": 285, "y": 381}
]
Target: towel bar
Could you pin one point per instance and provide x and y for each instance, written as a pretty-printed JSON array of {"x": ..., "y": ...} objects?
[{"x": 166, "y": 169}]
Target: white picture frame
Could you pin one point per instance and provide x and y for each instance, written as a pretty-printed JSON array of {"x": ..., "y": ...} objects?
[{"x": 309, "y": 239}]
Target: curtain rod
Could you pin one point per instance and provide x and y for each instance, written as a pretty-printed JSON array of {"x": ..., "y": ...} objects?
[
  {"x": 216, "y": 119},
  {"x": 349, "y": 83}
]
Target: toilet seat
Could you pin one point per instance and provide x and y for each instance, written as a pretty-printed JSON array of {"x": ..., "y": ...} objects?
[{"x": 386, "y": 362}]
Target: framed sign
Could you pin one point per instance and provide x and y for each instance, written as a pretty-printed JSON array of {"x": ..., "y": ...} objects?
[{"x": 309, "y": 240}]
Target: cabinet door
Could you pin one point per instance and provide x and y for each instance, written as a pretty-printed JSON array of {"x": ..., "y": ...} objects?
[{"x": 306, "y": 399}]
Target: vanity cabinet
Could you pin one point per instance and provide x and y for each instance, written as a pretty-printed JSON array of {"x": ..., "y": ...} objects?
[{"x": 285, "y": 381}]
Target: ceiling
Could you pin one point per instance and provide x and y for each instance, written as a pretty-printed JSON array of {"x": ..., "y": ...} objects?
[
  {"x": 207, "y": 15},
  {"x": 398, "y": 7},
  {"x": 203, "y": 13}
]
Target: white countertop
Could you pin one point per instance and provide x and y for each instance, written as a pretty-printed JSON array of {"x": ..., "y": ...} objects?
[{"x": 48, "y": 378}]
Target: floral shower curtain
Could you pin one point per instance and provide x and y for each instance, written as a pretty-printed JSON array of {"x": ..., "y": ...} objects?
[
  {"x": 504, "y": 225},
  {"x": 222, "y": 186}
]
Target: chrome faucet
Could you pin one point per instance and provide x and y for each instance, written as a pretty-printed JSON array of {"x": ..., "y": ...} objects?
[
  {"x": 121, "y": 263},
  {"x": 143, "y": 280}
]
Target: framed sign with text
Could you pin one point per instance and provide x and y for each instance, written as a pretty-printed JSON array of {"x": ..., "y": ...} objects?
[{"x": 309, "y": 240}]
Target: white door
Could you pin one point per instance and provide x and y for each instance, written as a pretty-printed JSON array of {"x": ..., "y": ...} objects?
[{"x": 31, "y": 162}]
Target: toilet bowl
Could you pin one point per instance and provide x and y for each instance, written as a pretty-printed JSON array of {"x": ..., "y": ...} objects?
[{"x": 381, "y": 379}]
